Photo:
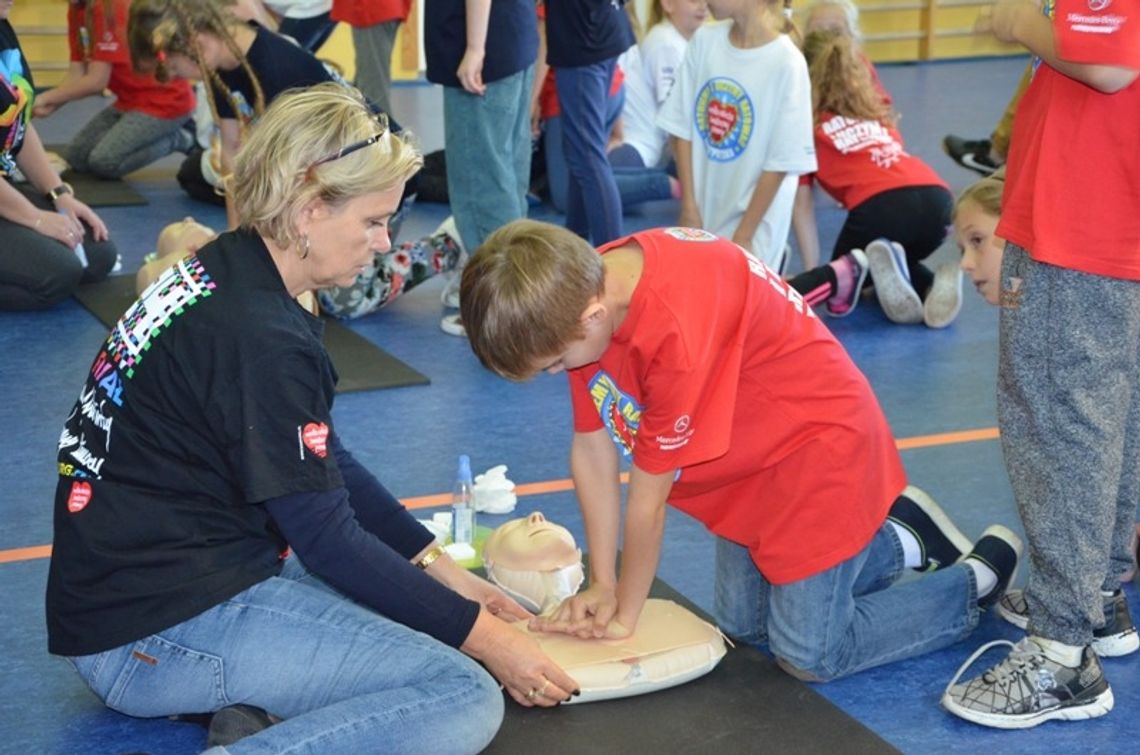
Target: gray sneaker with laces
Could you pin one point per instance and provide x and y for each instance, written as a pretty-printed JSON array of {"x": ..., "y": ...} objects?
[
  {"x": 1117, "y": 637},
  {"x": 1028, "y": 688}
]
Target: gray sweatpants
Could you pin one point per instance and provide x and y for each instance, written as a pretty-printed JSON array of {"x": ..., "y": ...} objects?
[
  {"x": 1069, "y": 414},
  {"x": 115, "y": 143}
]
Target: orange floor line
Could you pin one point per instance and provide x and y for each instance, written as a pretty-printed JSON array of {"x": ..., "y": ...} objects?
[{"x": 559, "y": 486}]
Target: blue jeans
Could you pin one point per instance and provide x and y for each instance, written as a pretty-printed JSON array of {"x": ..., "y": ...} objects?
[
  {"x": 583, "y": 92},
  {"x": 345, "y": 679},
  {"x": 848, "y": 618},
  {"x": 635, "y": 182},
  {"x": 488, "y": 146}
]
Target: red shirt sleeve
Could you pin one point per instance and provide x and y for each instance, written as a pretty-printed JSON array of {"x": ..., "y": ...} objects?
[{"x": 1098, "y": 32}]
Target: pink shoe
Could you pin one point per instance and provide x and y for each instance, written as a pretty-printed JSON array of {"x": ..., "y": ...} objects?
[{"x": 857, "y": 266}]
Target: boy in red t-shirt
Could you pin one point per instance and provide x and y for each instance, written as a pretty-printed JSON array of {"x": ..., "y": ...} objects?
[
  {"x": 1069, "y": 372},
  {"x": 696, "y": 363},
  {"x": 143, "y": 124}
]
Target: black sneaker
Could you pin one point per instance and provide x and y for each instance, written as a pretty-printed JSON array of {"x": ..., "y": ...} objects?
[
  {"x": 236, "y": 722},
  {"x": 999, "y": 549},
  {"x": 971, "y": 154},
  {"x": 1028, "y": 688},
  {"x": 942, "y": 543},
  {"x": 1117, "y": 637}
]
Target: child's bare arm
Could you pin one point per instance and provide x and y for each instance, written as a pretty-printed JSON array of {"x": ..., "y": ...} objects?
[
  {"x": 803, "y": 222},
  {"x": 690, "y": 214},
  {"x": 766, "y": 187},
  {"x": 641, "y": 550}
]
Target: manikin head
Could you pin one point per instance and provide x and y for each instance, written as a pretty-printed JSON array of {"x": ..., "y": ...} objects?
[
  {"x": 534, "y": 561},
  {"x": 183, "y": 237}
]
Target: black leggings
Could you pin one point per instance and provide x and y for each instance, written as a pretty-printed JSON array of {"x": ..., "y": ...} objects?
[
  {"x": 914, "y": 216},
  {"x": 36, "y": 271}
]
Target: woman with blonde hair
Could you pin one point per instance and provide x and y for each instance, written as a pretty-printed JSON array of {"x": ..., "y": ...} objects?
[{"x": 226, "y": 552}]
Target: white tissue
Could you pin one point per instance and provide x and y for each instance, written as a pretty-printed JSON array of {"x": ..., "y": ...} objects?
[
  {"x": 493, "y": 492},
  {"x": 460, "y": 551}
]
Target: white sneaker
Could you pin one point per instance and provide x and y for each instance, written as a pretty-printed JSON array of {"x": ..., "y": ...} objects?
[
  {"x": 896, "y": 295},
  {"x": 944, "y": 301},
  {"x": 453, "y": 326}
]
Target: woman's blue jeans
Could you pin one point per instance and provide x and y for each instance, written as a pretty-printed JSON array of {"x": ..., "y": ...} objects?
[
  {"x": 848, "y": 618},
  {"x": 345, "y": 679}
]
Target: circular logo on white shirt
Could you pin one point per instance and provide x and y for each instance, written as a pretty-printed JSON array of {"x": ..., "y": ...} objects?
[{"x": 725, "y": 118}]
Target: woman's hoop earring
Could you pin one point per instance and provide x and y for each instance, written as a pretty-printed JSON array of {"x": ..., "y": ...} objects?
[{"x": 305, "y": 244}]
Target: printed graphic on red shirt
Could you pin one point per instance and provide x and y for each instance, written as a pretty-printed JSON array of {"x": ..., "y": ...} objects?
[
  {"x": 620, "y": 413},
  {"x": 851, "y": 135}
]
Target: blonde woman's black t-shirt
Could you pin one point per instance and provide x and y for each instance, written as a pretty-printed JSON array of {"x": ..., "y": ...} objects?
[{"x": 210, "y": 396}]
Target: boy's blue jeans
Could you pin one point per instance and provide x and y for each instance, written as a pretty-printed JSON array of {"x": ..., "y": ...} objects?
[
  {"x": 848, "y": 618},
  {"x": 345, "y": 678}
]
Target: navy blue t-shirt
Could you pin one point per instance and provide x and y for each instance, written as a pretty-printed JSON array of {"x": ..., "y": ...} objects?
[
  {"x": 583, "y": 32},
  {"x": 279, "y": 64},
  {"x": 512, "y": 39}
]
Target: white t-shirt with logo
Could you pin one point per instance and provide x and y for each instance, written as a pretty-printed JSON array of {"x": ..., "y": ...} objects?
[
  {"x": 745, "y": 111},
  {"x": 649, "y": 70}
]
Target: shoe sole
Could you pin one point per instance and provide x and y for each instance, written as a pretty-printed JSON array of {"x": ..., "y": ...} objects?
[
  {"x": 1112, "y": 646},
  {"x": 929, "y": 507},
  {"x": 896, "y": 296},
  {"x": 1098, "y": 706},
  {"x": 947, "y": 288}
]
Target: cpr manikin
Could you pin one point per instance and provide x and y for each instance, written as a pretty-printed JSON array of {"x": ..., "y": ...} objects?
[
  {"x": 538, "y": 564},
  {"x": 535, "y": 561}
]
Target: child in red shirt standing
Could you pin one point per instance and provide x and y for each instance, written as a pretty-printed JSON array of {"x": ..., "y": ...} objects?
[
  {"x": 1069, "y": 372},
  {"x": 697, "y": 363},
  {"x": 145, "y": 121}
]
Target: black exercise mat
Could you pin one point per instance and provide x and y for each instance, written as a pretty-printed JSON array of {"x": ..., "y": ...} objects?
[
  {"x": 744, "y": 705},
  {"x": 103, "y": 192},
  {"x": 99, "y": 192},
  {"x": 361, "y": 364}
]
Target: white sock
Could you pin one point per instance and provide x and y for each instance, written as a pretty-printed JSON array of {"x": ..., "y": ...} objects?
[
  {"x": 912, "y": 549},
  {"x": 986, "y": 577},
  {"x": 1059, "y": 652}
]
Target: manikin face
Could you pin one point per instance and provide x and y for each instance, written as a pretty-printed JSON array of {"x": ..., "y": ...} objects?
[
  {"x": 532, "y": 544},
  {"x": 981, "y": 249},
  {"x": 184, "y": 237},
  {"x": 827, "y": 18},
  {"x": 686, "y": 15},
  {"x": 344, "y": 239}
]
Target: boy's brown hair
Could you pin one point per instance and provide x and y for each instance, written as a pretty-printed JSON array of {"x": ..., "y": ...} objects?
[{"x": 523, "y": 293}]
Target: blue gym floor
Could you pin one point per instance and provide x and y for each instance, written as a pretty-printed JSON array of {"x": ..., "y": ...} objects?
[{"x": 931, "y": 384}]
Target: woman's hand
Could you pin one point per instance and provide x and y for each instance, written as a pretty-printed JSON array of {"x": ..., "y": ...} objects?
[
  {"x": 518, "y": 663},
  {"x": 71, "y": 206},
  {"x": 591, "y": 614},
  {"x": 497, "y": 602},
  {"x": 63, "y": 227}
]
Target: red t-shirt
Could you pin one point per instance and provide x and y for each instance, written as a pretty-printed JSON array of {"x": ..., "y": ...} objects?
[
  {"x": 720, "y": 370},
  {"x": 107, "y": 43},
  {"x": 362, "y": 13},
  {"x": 859, "y": 159},
  {"x": 1072, "y": 188}
]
